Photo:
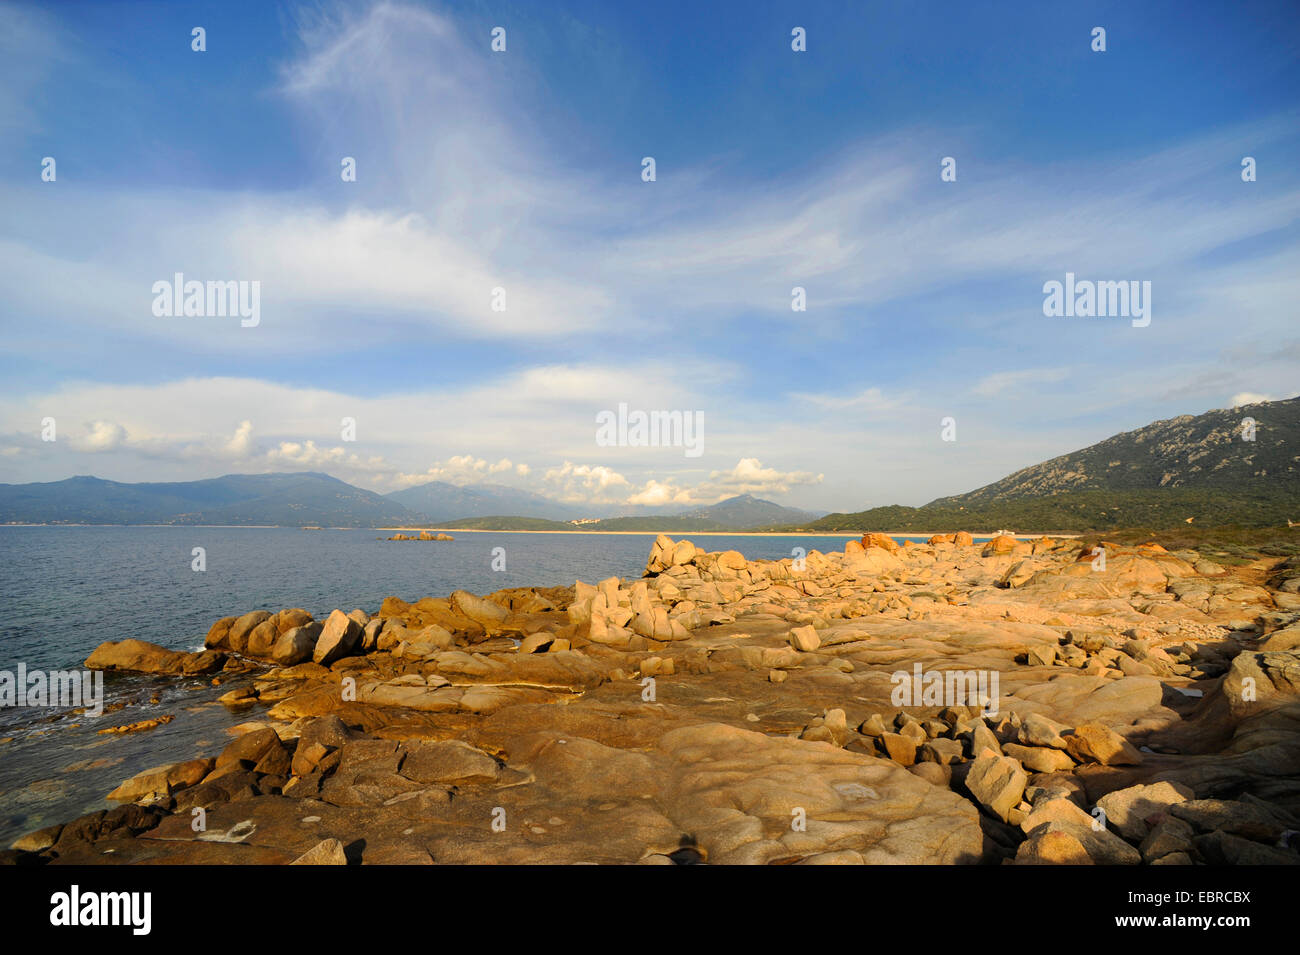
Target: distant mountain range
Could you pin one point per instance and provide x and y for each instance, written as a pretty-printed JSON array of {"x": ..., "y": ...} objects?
[
  {"x": 742, "y": 512},
  {"x": 1199, "y": 467},
  {"x": 498, "y": 505},
  {"x": 1237, "y": 466},
  {"x": 313, "y": 499},
  {"x": 439, "y": 501},
  {"x": 745, "y": 510},
  {"x": 293, "y": 500}
]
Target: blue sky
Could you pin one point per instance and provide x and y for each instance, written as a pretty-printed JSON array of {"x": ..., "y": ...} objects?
[{"x": 521, "y": 170}]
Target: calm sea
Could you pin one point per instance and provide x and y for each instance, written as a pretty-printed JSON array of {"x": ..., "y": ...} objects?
[{"x": 65, "y": 590}]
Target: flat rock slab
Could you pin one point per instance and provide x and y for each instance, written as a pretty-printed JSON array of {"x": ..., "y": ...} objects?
[{"x": 742, "y": 794}]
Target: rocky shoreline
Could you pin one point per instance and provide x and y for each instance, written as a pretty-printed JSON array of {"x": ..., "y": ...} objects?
[{"x": 1146, "y": 710}]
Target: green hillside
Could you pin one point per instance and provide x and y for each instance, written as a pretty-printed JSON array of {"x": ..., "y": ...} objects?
[
  {"x": 1194, "y": 466},
  {"x": 1073, "y": 513}
]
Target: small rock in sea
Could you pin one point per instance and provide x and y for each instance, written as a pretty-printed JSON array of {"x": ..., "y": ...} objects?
[
  {"x": 141, "y": 725},
  {"x": 242, "y": 696}
]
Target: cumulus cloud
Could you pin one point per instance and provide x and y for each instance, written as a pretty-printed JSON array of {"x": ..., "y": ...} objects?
[
  {"x": 458, "y": 469},
  {"x": 306, "y": 455},
  {"x": 750, "y": 477},
  {"x": 585, "y": 482},
  {"x": 100, "y": 436},
  {"x": 1252, "y": 398},
  {"x": 240, "y": 444},
  {"x": 1247, "y": 398},
  {"x": 660, "y": 494},
  {"x": 747, "y": 477}
]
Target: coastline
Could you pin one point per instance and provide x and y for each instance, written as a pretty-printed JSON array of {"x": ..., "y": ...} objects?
[
  {"x": 454, "y": 714},
  {"x": 479, "y": 530},
  {"x": 689, "y": 534}
]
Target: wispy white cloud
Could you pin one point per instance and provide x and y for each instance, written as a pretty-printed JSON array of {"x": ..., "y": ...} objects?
[
  {"x": 462, "y": 188},
  {"x": 30, "y": 49},
  {"x": 474, "y": 197},
  {"x": 1000, "y": 381},
  {"x": 866, "y": 400}
]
